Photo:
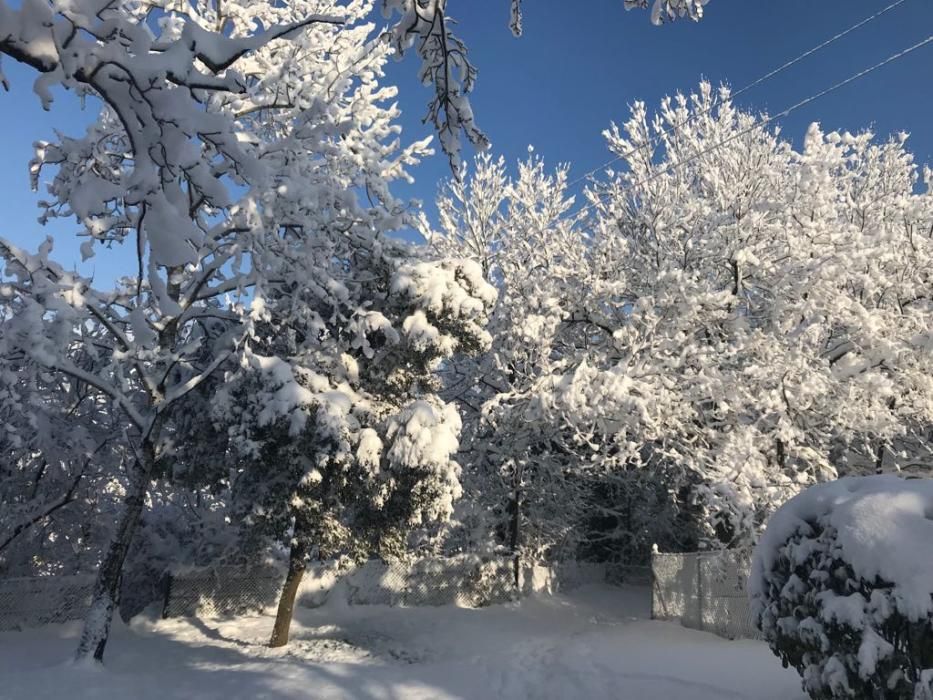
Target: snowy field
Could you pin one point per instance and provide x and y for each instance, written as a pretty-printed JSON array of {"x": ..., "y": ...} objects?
[{"x": 593, "y": 643}]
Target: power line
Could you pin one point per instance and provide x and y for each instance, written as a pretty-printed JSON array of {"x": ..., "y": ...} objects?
[
  {"x": 753, "y": 84},
  {"x": 765, "y": 122},
  {"x": 816, "y": 48}
]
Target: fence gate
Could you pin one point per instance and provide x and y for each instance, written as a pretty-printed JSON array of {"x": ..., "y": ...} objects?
[{"x": 704, "y": 591}]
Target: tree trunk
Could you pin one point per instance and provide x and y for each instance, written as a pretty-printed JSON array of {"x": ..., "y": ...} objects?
[
  {"x": 106, "y": 590},
  {"x": 879, "y": 459},
  {"x": 283, "y": 616},
  {"x": 515, "y": 534}
]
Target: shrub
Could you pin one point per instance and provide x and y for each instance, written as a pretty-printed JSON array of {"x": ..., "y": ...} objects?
[{"x": 841, "y": 588}]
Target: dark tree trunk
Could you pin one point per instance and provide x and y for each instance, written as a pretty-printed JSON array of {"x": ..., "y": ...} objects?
[
  {"x": 283, "y": 616},
  {"x": 882, "y": 448},
  {"x": 879, "y": 459},
  {"x": 515, "y": 535},
  {"x": 106, "y": 592}
]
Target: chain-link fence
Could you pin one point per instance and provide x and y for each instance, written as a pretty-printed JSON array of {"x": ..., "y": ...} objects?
[
  {"x": 26, "y": 602},
  {"x": 465, "y": 580},
  {"x": 439, "y": 581},
  {"x": 218, "y": 591},
  {"x": 705, "y": 591}
]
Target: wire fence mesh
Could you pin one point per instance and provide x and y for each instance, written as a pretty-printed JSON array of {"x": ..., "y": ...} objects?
[
  {"x": 466, "y": 580},
  {"x": 220, "y": 591},
  {"x": 705, "y": 591},
  {"x": 26, "y": 602},
  {"x": 429, "y": 581}
]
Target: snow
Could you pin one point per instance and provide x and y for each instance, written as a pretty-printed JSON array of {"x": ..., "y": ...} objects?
[
  {"x": 369, "y": 451},
  {"x": 592, "y": 643},
  {"x": 884, "y": 527},
  {"x": 456, "y": 287},
  {"x": 422, "y": 336},
  {"x": 425, "y": 436}
]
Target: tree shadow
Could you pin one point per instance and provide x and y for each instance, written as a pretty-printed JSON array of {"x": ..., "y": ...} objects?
[{"x": 215, "y": 633}]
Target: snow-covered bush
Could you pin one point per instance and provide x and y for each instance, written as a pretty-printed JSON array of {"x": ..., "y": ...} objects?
[{"x": 842, "y": 587}]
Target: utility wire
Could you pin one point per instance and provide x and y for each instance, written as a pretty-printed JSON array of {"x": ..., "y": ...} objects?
[
  {"x": 765, "y": 122},
  {"x": 753, "y": 84}
]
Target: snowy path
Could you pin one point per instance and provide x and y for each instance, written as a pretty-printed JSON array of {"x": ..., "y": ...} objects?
[{"x": 594, "y": 643}]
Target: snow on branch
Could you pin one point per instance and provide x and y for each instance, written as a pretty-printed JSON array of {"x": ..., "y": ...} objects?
[
  {"x": 425, "y": 26},
  {"x": 668, "y": 10},
  {"x": 219, "y": 52}
]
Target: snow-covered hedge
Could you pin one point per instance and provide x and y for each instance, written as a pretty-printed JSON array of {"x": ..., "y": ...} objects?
[{"x": 841, "y": 587}]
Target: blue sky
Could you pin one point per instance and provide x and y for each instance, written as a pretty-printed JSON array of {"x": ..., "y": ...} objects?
[
  {"x": 578, "y": 67},
  {"x": 573, "y": 72}
]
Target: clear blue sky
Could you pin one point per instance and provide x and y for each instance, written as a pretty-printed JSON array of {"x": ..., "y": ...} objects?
[{"x": 579, "y": 66}]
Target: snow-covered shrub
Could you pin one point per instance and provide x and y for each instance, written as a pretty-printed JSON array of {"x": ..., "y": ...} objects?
[{"x": 841, "y": 587}]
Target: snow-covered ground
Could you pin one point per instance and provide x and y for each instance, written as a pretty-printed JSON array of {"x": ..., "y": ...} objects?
[{"x": 592, "y": 643}]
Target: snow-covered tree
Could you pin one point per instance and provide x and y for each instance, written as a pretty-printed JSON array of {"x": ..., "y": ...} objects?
[
  {"x": 470, "y": 214},
  {"x": 520, "y": 230},
  {"x": 189, "y": 163},
  {"x": 768, "y": 289},
  {"x": 345, "y": 445},
  {"x": 57, "y": 458},
  {"x": 344, "y": 332},
  {"x": 746, "y": 284},
  {"x": 741, "y": 319}
]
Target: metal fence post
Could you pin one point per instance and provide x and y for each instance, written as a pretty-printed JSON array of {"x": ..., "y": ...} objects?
[
  {"x": 654, "y": 581},
  {"x": 699, "y": 593},
  {"x": 166, "y": 595}
]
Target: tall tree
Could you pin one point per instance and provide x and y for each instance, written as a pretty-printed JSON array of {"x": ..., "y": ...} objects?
[
  {"x": 530, "y": 245},
  {"x": 767, "y": 288},
  {"x": 346, "y": 447},
  {"x": 739, "y": 320},
  {"x": 165, "y": 167}
]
